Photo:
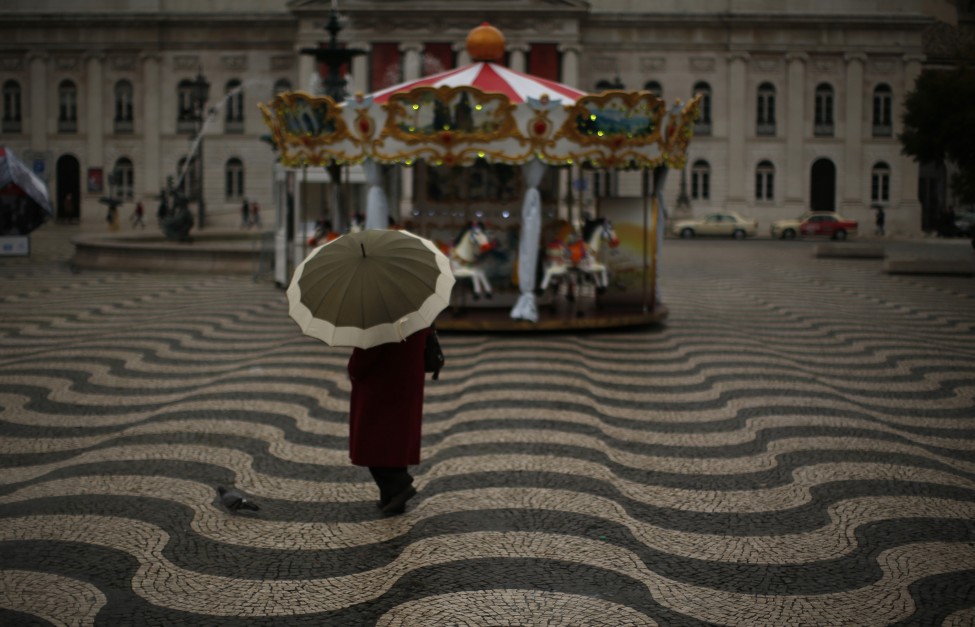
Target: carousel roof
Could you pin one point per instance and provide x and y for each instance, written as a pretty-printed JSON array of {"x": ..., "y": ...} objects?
[
  {"x": 490, "y": 78},
  {"x": 482, "y": 111}
]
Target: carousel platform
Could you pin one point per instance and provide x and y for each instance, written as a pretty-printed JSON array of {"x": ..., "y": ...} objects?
[{"x": 556, "y": 313}]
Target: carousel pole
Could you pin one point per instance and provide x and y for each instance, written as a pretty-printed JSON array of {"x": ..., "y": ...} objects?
[{"x": 646, "y": 195}]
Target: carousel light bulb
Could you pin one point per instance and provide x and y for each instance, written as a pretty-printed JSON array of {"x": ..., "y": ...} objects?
[
  {"x": 505, "y": 214},
  {"x": 480, "y": 154},
  {"x": 478, "y": 107},
  {"x": 592, "y": 116},
  {"x": 568, "y": 161},
  {"x": 412, "y": 129},
  {"x": 599, "y": 133},
  {"x": 416, "y": 107}
]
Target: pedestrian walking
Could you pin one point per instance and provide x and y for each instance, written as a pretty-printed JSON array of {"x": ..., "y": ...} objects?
[
  {"x": 137, "y": 214},
  {"x": 245, "y": 214},
  {"x": 394, "y": 283},
  {"x": 255, "y": 214},
  {"x": 880, "y": 220},
  {"x": 386, "y": 415}
]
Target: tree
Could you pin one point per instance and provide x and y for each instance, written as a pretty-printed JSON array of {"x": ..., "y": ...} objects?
[{"x": 939, "y": 124}]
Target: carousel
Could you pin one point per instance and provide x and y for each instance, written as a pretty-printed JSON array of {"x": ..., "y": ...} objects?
[{"x": 489, "y": 151}]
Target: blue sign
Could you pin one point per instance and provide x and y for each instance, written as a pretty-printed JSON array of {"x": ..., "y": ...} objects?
[{"x": 39, "y": 166}]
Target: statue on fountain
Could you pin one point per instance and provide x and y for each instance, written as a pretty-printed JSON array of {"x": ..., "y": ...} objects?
[{"x": 175, "y": 218}]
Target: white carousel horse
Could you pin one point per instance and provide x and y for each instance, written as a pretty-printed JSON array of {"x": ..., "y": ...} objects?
[
  {"x": 594, "y": 232},
  {"x": 580, "y": 254},
  {"x": 468, "y": 247}
]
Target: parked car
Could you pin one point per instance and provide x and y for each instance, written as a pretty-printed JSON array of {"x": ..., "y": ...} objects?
[
  {"x": 815, "y": 224},
  {"x": 723, "y": 224}
]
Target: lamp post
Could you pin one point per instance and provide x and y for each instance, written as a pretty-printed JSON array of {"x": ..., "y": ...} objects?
[
  {"x": 334, "y": 57},
  {"x": 199, "y": 95}
]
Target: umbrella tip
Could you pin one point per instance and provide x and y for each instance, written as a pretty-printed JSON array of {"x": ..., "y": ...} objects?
[{"x": 363, "y": 247}]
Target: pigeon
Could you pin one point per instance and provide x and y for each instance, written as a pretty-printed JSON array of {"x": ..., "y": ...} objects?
[{"x": 235, "y": 500}]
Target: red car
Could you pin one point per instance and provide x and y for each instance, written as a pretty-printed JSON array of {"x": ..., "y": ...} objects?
[{"x": 828, "y": 225}]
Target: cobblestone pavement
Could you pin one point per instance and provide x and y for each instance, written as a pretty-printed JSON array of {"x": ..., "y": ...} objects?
[{"x": 794, "y": 447}]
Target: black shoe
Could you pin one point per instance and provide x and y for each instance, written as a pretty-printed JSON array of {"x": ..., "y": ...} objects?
[{"x": 397, "y": 504}]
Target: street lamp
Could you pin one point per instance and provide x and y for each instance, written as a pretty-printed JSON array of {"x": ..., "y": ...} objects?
[
  {"x": 333, "y": 56},
  {"x": 199, "y": 95}
]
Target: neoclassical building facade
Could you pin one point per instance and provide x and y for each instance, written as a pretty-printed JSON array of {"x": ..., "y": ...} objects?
[{"x": 802, "y": 105}]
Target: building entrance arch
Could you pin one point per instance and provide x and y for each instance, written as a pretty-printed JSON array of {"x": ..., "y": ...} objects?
[
  {"x": 822, "y": 192},
  {"x": 68, "y": 207}
]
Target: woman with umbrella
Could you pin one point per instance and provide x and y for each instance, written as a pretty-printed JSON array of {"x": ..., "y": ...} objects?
[{"x": 377, "y": 291}]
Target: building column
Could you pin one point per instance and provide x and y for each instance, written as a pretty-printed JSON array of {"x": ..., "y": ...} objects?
[
  {"x": 852, "y": 198},
  {"x": 412, "y": 69},
  {"x": 570, "y": 64},
  {"x": 360, "y": 69},
  {"x": 737, "y": 109},
  {"x": 463, "y": 57},
  {"x": 906, "y": 218},
  {"x": 795, "y": 195},
  {"x": 308, "y": 78},
  {"x": 151, "y": 174},
  {"x": 37, "y": 106},
  {"x": 94, "y": 102},
  {"x": 517, "y": 59}
]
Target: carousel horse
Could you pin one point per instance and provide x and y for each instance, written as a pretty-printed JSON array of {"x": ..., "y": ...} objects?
[
  {"x": 570, "y": 252},
  {"x": 558, "y": 255},
  {"x": 469, "y": 245},
  {"x": 594, "y": 232}
]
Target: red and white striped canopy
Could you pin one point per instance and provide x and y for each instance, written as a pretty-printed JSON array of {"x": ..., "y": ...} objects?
[{"x": 490, "y": 77}]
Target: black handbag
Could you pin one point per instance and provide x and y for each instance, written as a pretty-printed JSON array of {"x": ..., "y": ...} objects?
[{"x": 433, "y": 358}]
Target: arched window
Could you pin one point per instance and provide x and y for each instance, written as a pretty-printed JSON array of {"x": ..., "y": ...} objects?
[
  {"x": 234, "y": 177},
  {"x": 185, "y": 115},
  {"x": 67, "y": 107},
  {"x": 123, "y": 178},
  {"x": 655, "y": 88},
  {"x": 234, "y": 120},
  {"x": 880, "y": 182},
  {"x": 11, "y": 107},
  {"x": 765, "y": 114},
  {"x": 765, "y": 181},
  {"x": 281, "y": 85},
  {"x": 882, "y": 98},
  {"x": 123, "y": 107},
  {"x": 824, "y": 111},
  {"x": 700, "y": 180},
  {"x": 606, "y": 84},
  {"x": 703, "y": 124}
]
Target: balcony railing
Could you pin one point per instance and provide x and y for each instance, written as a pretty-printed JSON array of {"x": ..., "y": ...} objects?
[
  {"x": 123, "y": 127},
  {"x": 67, "y": 126},
  {"x": 823, "y": 129},
  {"x": 765, "y": 129},
  {"x": 11, "y": 126},
  {"x": 883, "y": 130}
]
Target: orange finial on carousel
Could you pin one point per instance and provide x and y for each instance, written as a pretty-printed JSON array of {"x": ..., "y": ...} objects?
[{"x": 485, "y": 43}]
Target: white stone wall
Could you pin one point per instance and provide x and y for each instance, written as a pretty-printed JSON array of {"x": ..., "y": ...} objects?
[{"x": 733, "y": 45}]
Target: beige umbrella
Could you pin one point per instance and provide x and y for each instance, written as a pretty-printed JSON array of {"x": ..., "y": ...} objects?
[{"x": 370, "y": 288}]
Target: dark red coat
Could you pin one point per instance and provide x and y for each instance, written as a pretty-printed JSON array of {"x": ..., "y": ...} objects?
[{"x": 386, "y": 408}]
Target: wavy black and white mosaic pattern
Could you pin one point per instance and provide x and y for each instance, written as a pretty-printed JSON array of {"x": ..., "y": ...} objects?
[{"x": 794, "y": 447}]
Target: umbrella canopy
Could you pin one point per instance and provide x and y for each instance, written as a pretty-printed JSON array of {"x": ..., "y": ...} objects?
[
  {"x": 24, "y": 203},
  {"x": 370, "y": 288},
  {"x": 490, "y": 78}
]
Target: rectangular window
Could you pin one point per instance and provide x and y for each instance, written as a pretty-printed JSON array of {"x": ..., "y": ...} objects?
[
  {"x": 437, "y": 57},
  {"x": 543, "y": 61},
  {"x": 384, "y": 67}
]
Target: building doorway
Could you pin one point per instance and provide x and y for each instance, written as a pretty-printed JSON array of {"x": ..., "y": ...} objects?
[
  {"x": 69, "y": 190},
  {"x": 822, "y": 193}
]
